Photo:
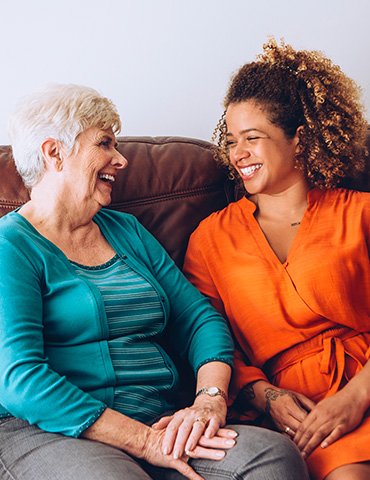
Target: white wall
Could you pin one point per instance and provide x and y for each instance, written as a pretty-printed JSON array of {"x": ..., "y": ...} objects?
[{"x": 166, "y": 63}]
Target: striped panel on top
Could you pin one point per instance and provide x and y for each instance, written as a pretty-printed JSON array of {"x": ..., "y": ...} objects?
[{"x": 134, "y": 313}]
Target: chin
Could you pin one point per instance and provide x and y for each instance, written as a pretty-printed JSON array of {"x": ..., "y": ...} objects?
[{"x": 104, "y": 202}]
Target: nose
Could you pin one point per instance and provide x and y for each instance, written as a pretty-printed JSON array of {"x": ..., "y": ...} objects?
[
  {"x": 119, "y": 161},
  {"x": 238, "y": 152}
]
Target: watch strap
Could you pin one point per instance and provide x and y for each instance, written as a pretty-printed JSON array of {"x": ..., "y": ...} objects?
[{"x": 212, "y": 392}]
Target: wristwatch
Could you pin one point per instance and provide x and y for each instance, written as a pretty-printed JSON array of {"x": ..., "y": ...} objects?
[{"x": 212, "y": 392}]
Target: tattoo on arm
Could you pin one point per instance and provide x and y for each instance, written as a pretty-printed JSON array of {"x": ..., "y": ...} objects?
[
  {"x": 248, "y": 391},
  {"x": 246, "y": 395},
  {"x": 272, "y": 395}
]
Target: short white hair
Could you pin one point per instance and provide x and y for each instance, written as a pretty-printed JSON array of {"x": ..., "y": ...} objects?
[{"x": 55, "y": 111}]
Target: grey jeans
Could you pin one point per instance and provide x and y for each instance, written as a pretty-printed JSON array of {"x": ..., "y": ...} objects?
[{"x": 29, "y": 453}]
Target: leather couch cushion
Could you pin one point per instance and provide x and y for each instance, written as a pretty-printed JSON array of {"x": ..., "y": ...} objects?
[{"x": 170, "y": 185}]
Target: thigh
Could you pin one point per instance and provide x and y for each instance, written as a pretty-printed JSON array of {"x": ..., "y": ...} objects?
[
  {"x": 29, "y": 453},
  {"x": 259, "y": 454}
]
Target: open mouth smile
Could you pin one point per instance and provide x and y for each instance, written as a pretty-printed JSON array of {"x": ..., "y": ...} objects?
[
  {"x": 250, "y": 169},
  {"x": 105, "y": 177}
]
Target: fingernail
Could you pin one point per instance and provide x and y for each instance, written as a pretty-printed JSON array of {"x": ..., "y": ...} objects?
[
  {"x": 233, "y": 434},
  {"x": 230, "y": 442},
  {"x": 176, "y": 454},
  {"x": 165, "y": 451},
  {"x": 304, "y": 454},
  {"x": 324, "y": 444},
  {"x": 220, "y": 454}
]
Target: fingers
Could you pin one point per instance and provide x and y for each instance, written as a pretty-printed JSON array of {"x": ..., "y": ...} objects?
[
  {"x": 223, "y": 439},
  {"x": 184, "y": 430},
  {"x": 313, "y": 437},
  {"x": 306, "y": 402},
  {"x": 199, "y": 445},
  {"x": 308, "y": 442},
  {"x": 289, "y": 432},
  {"x": 226, "y": 433},
  {"x": 181, "y": 433},
  {"x": 333, "y": 437},
  {"x": 162, "y": 423},
  {"x": 216, "y": 442},
  {"x": 208, "y": 453},
  {"x": 199, "y": 428}
]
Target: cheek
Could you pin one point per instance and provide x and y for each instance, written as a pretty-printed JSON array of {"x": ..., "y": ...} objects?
[{"x": 231, "y": 156}]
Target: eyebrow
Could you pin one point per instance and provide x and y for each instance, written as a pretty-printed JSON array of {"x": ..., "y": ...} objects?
[
  {"x": 247, "y": 130},
  {"x": 108, "y": 137}
]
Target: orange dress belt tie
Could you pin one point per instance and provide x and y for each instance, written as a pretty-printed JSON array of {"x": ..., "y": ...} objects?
[{"x": 330, "y": 342}]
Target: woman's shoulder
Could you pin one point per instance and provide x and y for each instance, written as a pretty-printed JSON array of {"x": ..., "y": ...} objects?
[
  {"x": 345, "y": 196},
  {"x": 13, "y": 226},
  {"x": 234, "y": 210},
  {"x": 115, "y": 219}
]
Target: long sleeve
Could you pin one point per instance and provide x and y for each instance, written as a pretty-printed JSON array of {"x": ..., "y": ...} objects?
[
  {"x": 196, "y": 330},
  {"x": 196, "y": 270},
  {"x": 56, "y": 370},
  {"x": 29, "y": 388}
]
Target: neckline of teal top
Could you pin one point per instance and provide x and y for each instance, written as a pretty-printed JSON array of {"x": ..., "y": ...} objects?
[{"x": 97, "y": 267}]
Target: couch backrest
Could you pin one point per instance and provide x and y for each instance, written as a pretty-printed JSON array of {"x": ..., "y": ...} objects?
[{"x": 170, "y": 185}]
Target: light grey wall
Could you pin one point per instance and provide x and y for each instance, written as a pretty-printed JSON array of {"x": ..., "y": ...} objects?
[{"x": 166, "y": 63}]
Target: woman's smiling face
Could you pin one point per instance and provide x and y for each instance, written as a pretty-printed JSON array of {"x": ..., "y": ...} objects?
[
  {"x": 92, "y": 167},
  {"x": 262, "y": 154}
]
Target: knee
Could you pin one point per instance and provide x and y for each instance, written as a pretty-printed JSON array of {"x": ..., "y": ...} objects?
[{"x": 269, "y": 454}]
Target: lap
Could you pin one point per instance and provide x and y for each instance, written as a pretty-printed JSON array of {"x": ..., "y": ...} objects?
[
  {"x": 258, "y": 454},
  {"x": 29, "y": 453}
]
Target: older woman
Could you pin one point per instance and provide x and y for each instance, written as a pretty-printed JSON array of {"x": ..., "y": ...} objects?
[
  {"x": 288, "y": 264},
  {"x": 85, "y": 294}
]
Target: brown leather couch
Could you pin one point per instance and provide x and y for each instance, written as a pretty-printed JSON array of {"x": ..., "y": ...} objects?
[{"x": 170, "y": 185}]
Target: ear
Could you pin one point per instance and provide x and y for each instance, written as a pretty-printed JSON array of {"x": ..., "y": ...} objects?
[
  {"x": 297, "y": 140},
  {"x": 51, "y": 151}
]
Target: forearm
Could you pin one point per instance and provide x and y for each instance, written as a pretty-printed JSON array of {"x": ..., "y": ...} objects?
[
  {"x": 214, "y": 374},
  {"x": 118, "y": 430},
  {"x": 256, "y": 395},
  {"x": 359, "y": 386}
]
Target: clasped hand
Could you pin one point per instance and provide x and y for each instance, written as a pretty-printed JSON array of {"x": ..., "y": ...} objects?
[
  {"x": 309, "y": 424},
  {"x": 192, "y": 432}
]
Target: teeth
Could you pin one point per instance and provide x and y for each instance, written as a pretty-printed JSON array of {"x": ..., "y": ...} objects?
[
  {"x": 249, "y": 170},
  {"x": 106, "y": 177}
]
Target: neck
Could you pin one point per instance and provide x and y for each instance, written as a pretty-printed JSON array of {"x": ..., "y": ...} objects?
[
  {"x": 56, "y": 212},
  {"x": 288, "y": 206}
]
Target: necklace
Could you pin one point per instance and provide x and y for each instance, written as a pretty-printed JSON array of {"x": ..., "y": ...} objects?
[{"x": 294, "y": 224}]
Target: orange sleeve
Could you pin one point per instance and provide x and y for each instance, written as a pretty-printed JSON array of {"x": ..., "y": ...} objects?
[
  {"x": 196, "y": 271},
  {"x": 243, "y": 374}
]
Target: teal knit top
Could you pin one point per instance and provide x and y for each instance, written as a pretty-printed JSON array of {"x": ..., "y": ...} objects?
[
  {"x": 134, "y": 315},
  {"x": 56, "y": 367}
]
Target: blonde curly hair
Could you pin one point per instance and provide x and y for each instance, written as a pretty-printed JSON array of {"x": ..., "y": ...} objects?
[{"x": 303, "y": 88}]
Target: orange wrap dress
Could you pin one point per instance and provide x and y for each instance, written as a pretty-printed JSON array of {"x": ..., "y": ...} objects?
[{"x": 303, "y": 324}]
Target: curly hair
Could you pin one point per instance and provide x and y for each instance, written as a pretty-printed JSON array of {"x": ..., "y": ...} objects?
[{"x": 303, "y": 88}]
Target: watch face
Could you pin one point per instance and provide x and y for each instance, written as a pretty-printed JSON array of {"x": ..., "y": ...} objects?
[{"x": 213, "y": 390}]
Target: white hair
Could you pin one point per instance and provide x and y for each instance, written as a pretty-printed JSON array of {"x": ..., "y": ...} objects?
[{"x": 55, "y": 111}]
